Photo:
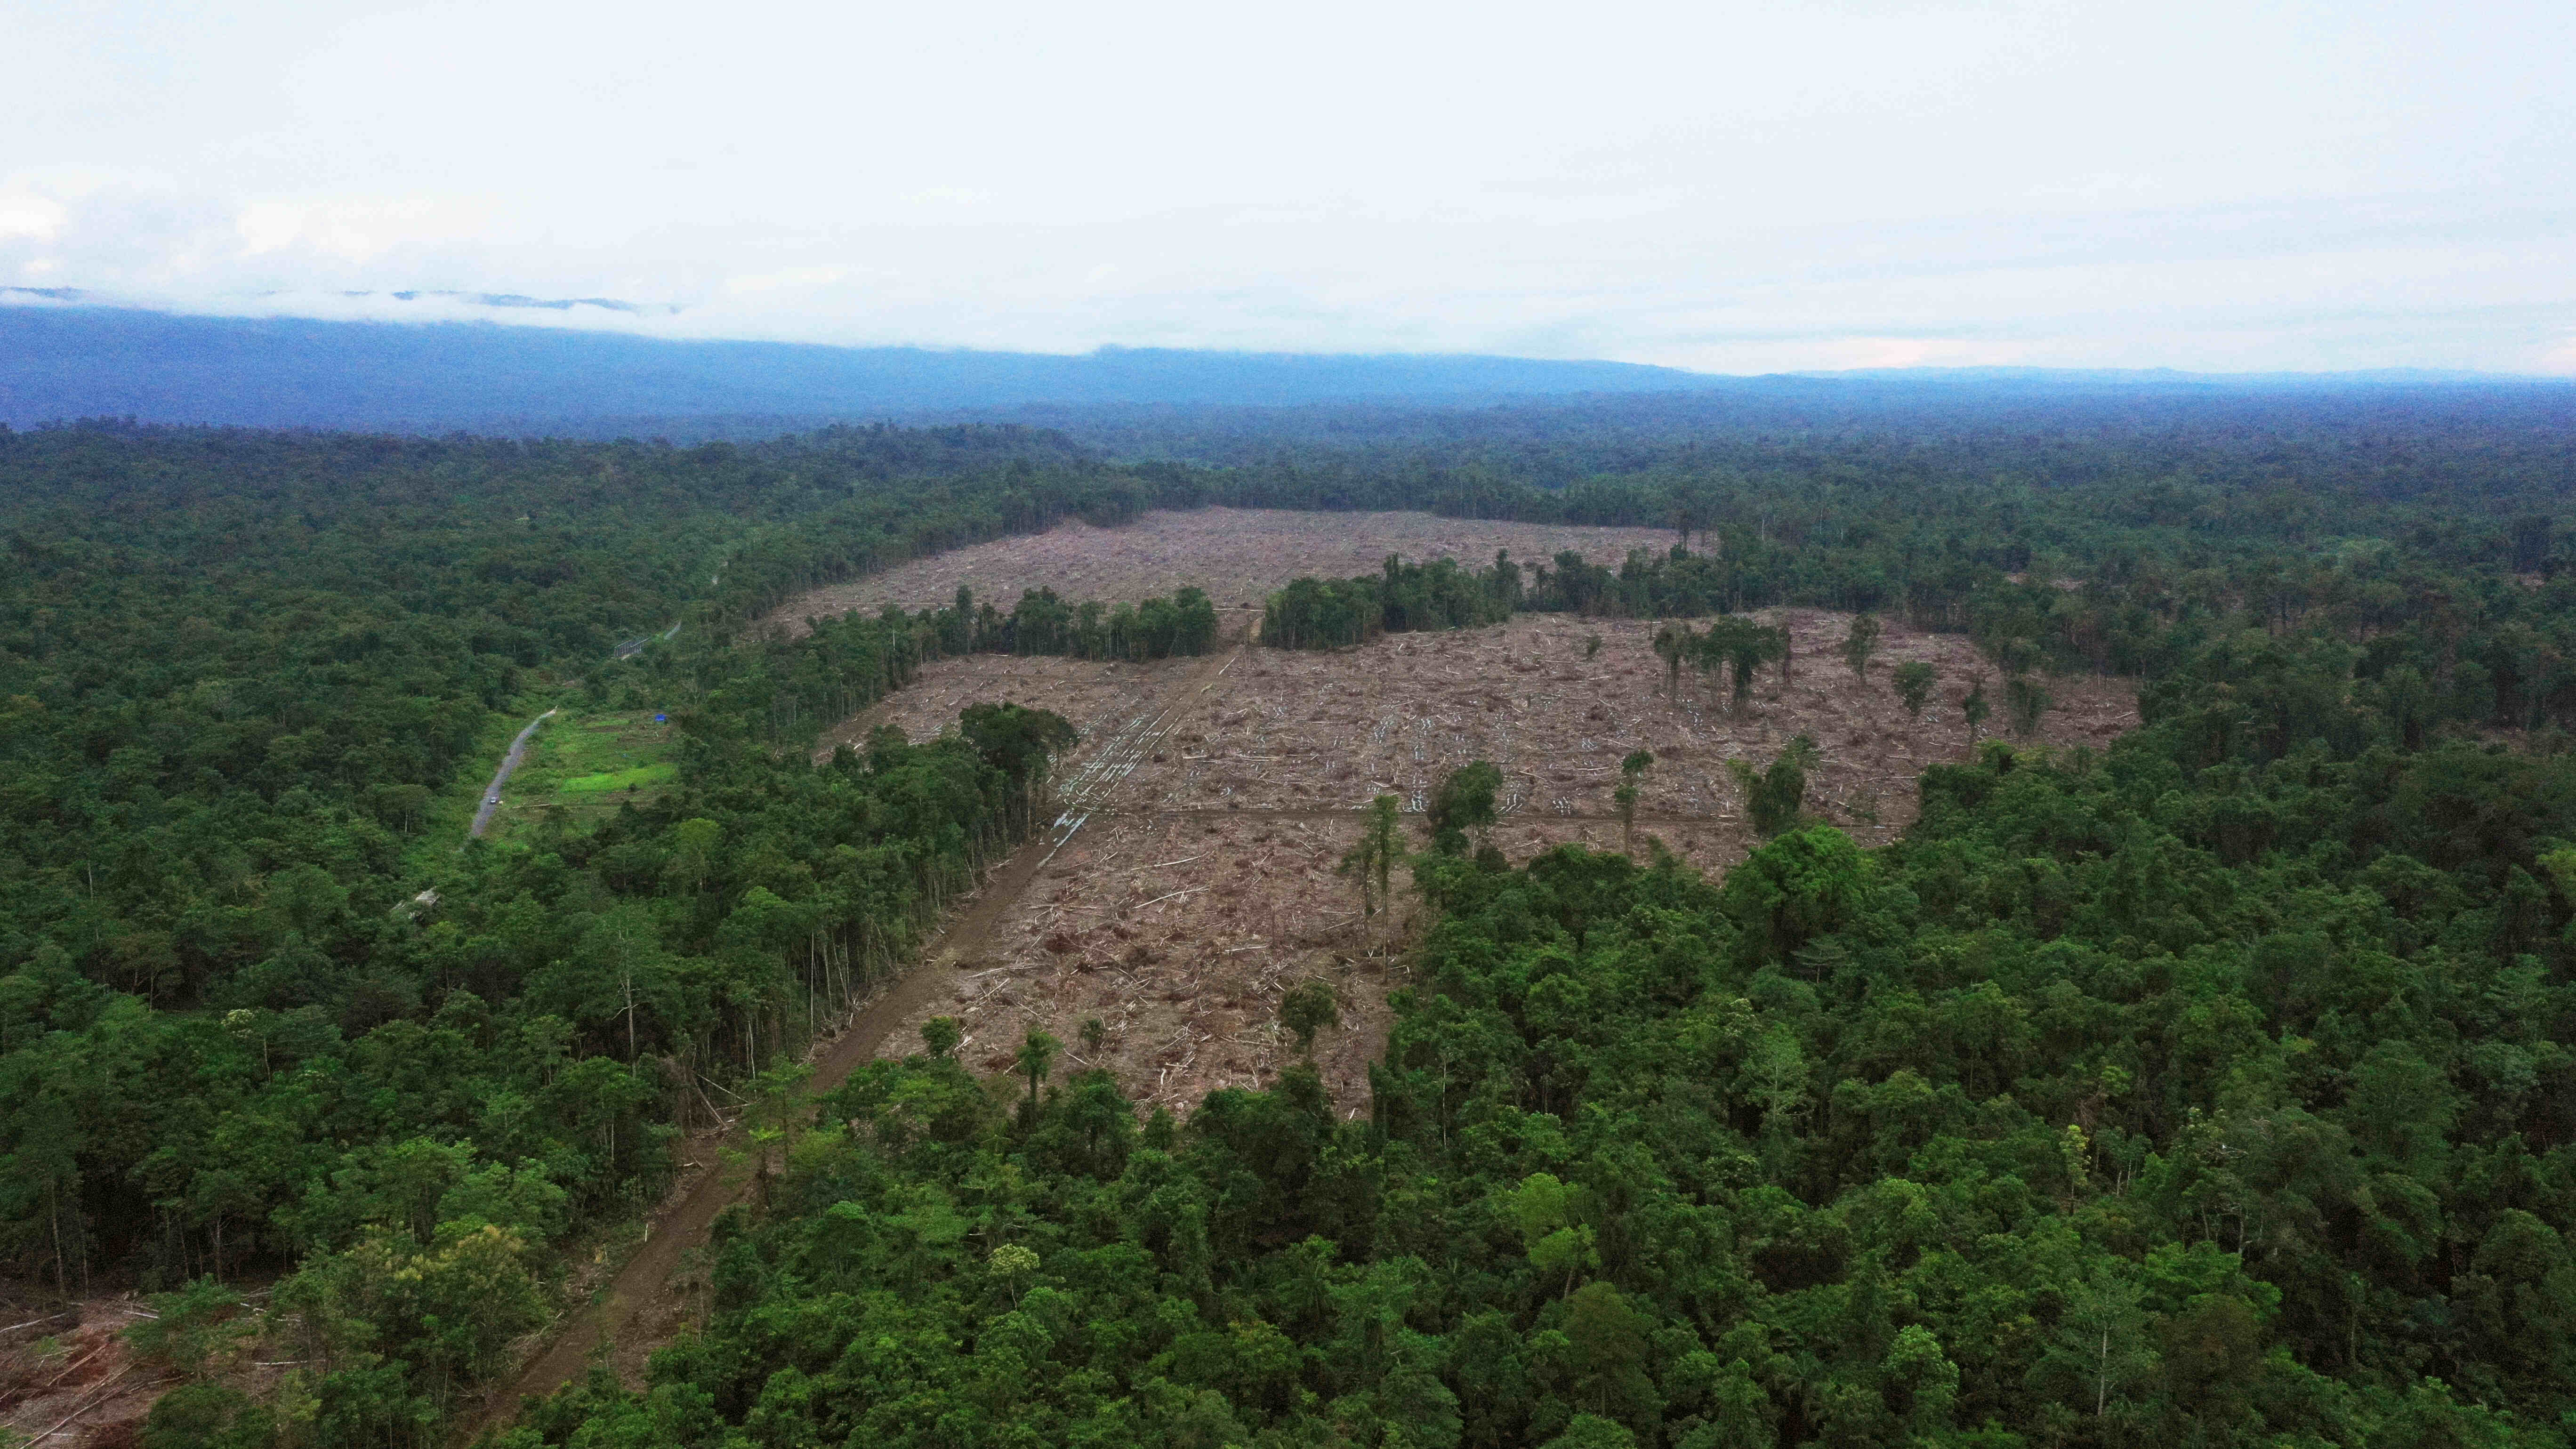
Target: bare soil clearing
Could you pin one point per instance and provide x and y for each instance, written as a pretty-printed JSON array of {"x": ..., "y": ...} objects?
[
  {"x": 1092, "y": 695},
  {"x": 1316, "y": 730},
  {"x": 68, "y": 1376},
  {"x": 1204, "y": 887},
  {"x": 1238, "y": 555},
  {"x": 1179, "y": 933},
  {"x": 1191, "y": 881}
]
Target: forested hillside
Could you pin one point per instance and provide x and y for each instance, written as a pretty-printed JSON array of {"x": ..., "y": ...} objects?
[
  {"x": 260, "y": 1003},
  {"x": 81, "y": 360},
  {"x": 2211, "y": 1091},
  {"x": 2213, "y": 1088}
]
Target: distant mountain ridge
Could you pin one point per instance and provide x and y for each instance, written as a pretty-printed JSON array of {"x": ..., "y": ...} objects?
[
  {"x": 2174, "y": 377},
  {"x": 60, "y": 362}
]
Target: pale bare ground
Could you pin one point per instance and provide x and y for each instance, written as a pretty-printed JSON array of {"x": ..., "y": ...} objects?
[
  {"x": 1203, "y": 887},
  {"x": 1179, "y": 934},
  {"x": 1092, "y": 695},
  {"x": 1329, "y": 730},
  {"x": 1240, "y": 556},
  {"x": 71, "y": 1378}
]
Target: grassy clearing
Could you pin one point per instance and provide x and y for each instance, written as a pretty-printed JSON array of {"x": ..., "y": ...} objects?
[
  {"x": 450, "y": 811},
  {"x": 619, "y": 779},
  {"x": 581, "y": 767}
]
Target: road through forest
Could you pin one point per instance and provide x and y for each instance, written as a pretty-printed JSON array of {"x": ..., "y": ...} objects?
[
  {"x": 501, "y": 776},
  {"x": 519, "y": 747},
  {"x": 643, "y": 1306}
]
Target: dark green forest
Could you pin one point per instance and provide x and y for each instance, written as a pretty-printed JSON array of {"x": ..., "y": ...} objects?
[
  {"x": 2211, "y": 1089},
  {"x": 261, "y": 1006}
]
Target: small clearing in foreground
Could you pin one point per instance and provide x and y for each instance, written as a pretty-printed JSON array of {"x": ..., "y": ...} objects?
[{"x": 70, "y": 1379}]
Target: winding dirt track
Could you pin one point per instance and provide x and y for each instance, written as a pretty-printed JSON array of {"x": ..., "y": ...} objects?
[
  {"x": 501, "y": 776},
  {"x": 640, "y": 1308}
]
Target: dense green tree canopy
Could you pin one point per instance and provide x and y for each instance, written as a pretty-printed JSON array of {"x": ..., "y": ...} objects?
[
  {"x": 2066, "y": 1120},
  {"x": 2214, "y": 1088}
]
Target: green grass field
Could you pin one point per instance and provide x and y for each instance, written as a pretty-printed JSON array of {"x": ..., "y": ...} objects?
[
  {"x": 627, "y": 779},
  {"x": 581, "y": 767}
]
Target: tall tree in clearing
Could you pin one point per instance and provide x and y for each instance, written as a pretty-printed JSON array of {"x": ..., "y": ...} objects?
[
  {"x": 1861, "y": 643},
  {"x": 1036, "y": 1058},
  {"x": 1464, "y": 800},
  {"x": 1774, "y": 796},
  {"x": 1740, "y": 645},
  {"x": 1673, "y": 646},
  {"x": 1632, "y": 773},
  {"x": 1306, "y": 1009},
  {"x": 2025, "y": 700},
  {"x": 1372, "y": 859},
  {"x": 1914, "y": 680}
]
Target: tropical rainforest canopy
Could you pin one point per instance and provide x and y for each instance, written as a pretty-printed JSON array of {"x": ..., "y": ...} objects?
[{"x": 2210, "y": 1089}]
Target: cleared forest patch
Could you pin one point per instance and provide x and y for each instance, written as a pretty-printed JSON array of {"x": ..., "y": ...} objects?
[
  {"x": 1179, "y": 935},
  {"x": 1202, "y": 886},
  {"x": 1311, "y": 730},
  {"x": 581, "y": 766},
  {"x": 71, "y": 1379},
  {"x": 1093, "y": 695},
  {"x": 1238, "y": 555}
]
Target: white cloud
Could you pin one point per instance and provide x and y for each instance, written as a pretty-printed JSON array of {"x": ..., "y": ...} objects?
[
  {"x": 1724, "y": 183},
  {"x": 2099, "y": 186},
  {"x": 1865, "y": 352},
  {"x": 24, "y": 215},
  {"x": 353, "y": 230},
  {"x": 793, "y": 279}
]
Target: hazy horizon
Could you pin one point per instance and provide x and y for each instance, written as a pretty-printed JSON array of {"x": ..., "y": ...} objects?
[{"x": 1735, "y": 190}]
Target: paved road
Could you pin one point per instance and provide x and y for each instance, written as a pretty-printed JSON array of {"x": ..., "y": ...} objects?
[{"x": 501, "y": 776}]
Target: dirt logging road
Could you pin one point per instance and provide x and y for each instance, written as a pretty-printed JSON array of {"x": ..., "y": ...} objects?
[
  {"x": 519, "y": 747},
  {"x": 501, "y": 776},
  {"x": 645, "y": 1304}
]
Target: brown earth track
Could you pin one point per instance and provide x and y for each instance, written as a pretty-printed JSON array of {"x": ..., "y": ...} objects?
[
  {"x": 644, "y": 1305},
  {"x": 1352, "y": 812}
]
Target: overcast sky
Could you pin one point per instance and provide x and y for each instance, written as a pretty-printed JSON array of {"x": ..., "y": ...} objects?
[{"x": 1729, "y": 187}]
